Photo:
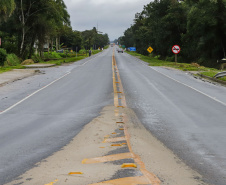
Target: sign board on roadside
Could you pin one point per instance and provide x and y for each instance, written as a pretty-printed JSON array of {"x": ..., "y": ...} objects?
[
  {"x": 176, "y": 49},
  {"x": 150, "y": 49},
  {"x": 132, "y": 49}
]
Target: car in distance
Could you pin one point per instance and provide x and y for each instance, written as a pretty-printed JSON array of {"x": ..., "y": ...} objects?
[{"x": 120, "y": 50}]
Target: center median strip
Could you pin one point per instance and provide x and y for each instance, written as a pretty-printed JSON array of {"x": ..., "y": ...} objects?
[{"x": 120, "y": 103}]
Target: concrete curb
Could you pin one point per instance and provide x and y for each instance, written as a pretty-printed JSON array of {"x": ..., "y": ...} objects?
[
  {"x": 39, "y": 65},
  {"x": 16, "y": 74},
  {"x": 212, "y": 79}
]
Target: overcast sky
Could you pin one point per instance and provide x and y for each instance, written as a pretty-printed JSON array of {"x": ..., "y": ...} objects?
[{"x": 112, "y": 16}]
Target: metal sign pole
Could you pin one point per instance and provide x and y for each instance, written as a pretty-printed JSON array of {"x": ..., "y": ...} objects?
[{"x": 176, "y": 58}]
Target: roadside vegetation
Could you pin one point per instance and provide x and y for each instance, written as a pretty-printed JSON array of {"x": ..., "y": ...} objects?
[
  {"x": 28, "y": 31},
  {"x": 193, "y": 67},
  {"x": 197, "y": 26}
]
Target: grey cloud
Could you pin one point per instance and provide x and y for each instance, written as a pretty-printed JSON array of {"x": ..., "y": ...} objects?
[{"x": 113, "y": 17}]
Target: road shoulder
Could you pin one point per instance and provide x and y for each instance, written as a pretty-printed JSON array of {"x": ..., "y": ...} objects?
[{"x": 16, "y": 74}]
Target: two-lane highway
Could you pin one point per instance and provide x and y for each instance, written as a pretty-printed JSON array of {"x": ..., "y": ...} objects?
[{"x": 186, "y": 114}]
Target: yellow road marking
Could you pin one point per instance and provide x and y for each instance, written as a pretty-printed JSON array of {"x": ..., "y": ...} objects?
[
  {"x": 148, "y": 177},
  {"x": 75, "y": 173},
  {"x": 125, "y": 181},
  {"x": 129, "y": 165},
  {"x": 51, "y": 183},
  {"x": 116, "y": 145},
  {"x": 115, "y": 139},
  {"x": 108, "y": 158},
  {"x": 151, "y": 178}
]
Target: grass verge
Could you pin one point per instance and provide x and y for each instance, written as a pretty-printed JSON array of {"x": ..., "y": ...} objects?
[
  {"x": 9, "y": 68},
  {"x": 57, "y": 62},
  {"x": 210, "y": 72},
  {"x": 65, "y": 60}
]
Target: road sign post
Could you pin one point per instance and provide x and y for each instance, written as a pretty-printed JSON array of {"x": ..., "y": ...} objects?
[
  {"x": 132, "y": 49},
  {"x": 176, "y": 50},
  {"x": 150, "y": 49}
]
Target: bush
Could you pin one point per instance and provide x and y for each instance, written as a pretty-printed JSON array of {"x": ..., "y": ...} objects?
[
  {"x": 12, "y": 60},
  {"x": 36, "y": 58},
  {"x": 3, "y": 56},
  {"x": 63, "y": 55},
  {"x": 52, "y": 55}
]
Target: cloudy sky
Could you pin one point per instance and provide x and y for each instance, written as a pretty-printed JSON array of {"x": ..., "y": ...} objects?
[{"x": 112, "y": 16}]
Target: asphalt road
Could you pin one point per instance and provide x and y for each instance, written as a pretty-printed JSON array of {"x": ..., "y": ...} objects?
[
  {"x": 44, "y": 122},
  {"x": 186, "y": 114}
]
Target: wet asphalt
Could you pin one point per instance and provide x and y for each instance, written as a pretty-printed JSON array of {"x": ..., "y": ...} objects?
[
  {"x": 48, "y": 120},
  {"x": 185, "y": 113}
]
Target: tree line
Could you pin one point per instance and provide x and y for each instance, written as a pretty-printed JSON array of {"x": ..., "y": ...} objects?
[
  {"x": 29, "y": 26},
  {"x": 198, "y": 26}
]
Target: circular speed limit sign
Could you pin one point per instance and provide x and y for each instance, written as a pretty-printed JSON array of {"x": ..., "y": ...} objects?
[{"x": 176, "y": 49}]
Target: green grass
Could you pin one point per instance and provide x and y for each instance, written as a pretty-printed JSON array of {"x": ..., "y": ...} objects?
[
  {"x": 9, "y": 68},
  {"x": 210, "y": 72},
  {"x": 65, "y": 60}
]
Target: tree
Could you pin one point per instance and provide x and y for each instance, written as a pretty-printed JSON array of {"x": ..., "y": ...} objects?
[
  {"x": 205, "y": 39},
  {"x": 37, "y": 21},
  {"x": 128, "y": 38},
  {"x": 70, "y": 38},
  {"x": 6, "y": 9}
]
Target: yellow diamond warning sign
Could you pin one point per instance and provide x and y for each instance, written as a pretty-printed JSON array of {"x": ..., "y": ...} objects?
[{"x": 150, "y": 49}]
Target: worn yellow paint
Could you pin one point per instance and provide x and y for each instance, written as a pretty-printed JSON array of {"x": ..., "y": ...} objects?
[
  {"x": 51, "y": 183},
  {"x": 107, "y": 158},
  {"x": 120, "y": 122},
  {"x": 148, "y": 177},
  {"x": 152, "y": 178},
  {"x": 121, "y": 128},
  {"x": 129, "y": 165},
  {"x": 75, "y": 173},
  {"x": 121, "y": 106},
  {"x": 115, "y": 139},
  {"x": 125, "y": 181},
  {"x": 114, "y": 133},
  {"x": 101, "y": 147},
  {"x": 116, "y": 145}
]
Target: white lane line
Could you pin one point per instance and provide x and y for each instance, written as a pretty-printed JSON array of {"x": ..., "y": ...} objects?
[
  {"x": 11, "y": 107},
  {"x": 213, "y": 98}
]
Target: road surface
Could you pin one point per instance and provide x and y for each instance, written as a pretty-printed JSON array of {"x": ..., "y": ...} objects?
[{"x": 186, "y": 114}]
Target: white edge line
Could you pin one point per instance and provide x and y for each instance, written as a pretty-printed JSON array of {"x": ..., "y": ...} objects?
[
  {"x": 11, "y": 107},
  {"x": 190, "y": 87}
]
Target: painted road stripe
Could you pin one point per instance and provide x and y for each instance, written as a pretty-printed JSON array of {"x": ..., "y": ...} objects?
[
  {"x": 150, "y": 177},
  {"x": 108, "y": 158},
  {"x": 213, "y": 98},
  {"x": 33, "y": 94}
]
